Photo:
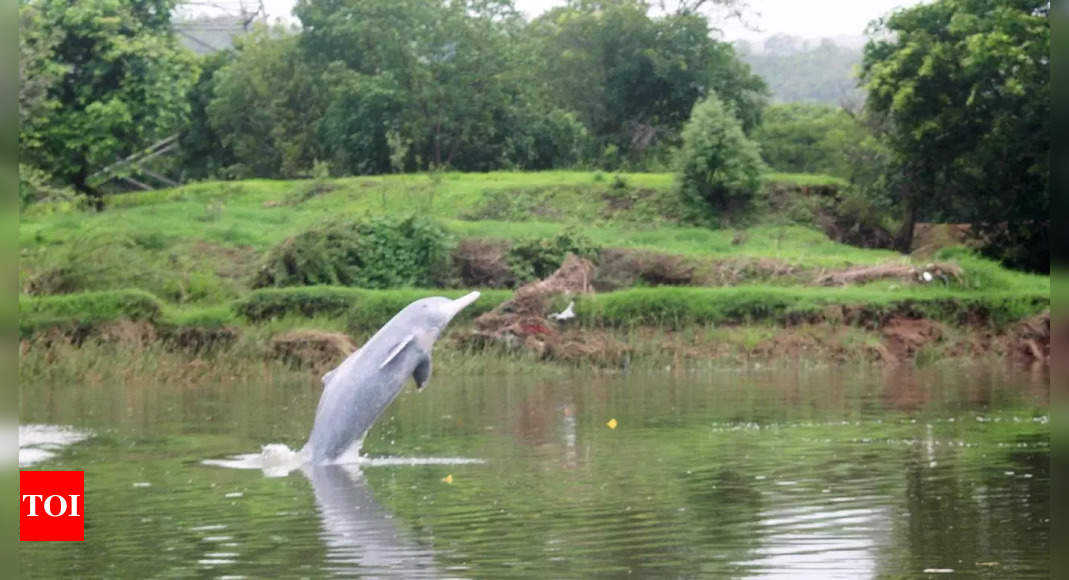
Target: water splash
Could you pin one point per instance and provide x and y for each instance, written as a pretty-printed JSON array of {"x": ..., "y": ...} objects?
[
  {"x": 278, "y": 460},
  {"x": 38, "y": 443}
]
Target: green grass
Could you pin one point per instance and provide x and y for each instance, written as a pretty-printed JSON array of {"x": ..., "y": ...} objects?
[
  {"x": 196, "y": 248},
  {"x": 243, "y": 214},
  {"x": 359, "y": 311},
  {"x": 38, "y": 313},
  {"x": 676, "y": 307},
  {"x": 363, "y": 309}
]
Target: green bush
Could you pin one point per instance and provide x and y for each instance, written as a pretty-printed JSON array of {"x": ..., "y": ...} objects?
[
  {"x": 378, "y": 306},
  {"x": 536, "y": 258},
  {"x": 309, "y": 302},
  {"x": 375, "y": 252},
  {"x": 718, "y": 167},
  {"x": 808, "y": 138},
  {"x": 37, "y": 312},
  {"x": 676, "y": 307},
  {"x": 362, "y": 309}
]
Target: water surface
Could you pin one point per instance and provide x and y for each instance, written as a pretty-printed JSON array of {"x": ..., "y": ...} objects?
[{"x": 822, "y": 474}]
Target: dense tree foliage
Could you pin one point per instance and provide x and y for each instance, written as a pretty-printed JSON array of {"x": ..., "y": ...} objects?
[
  {"x": 809, "y": 138},
  {"x": 964, "y": 87},
  {"x": 719, "y": 167},
  {"x": 265, "y": 105},
  {"x": 375, "y": 87},
  {"x": 115, "y": 80},
  {"x": 955, "y": 126},
  {"x": 632, "y": 78}
]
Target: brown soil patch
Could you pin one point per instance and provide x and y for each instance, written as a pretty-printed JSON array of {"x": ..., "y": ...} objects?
[
  {"x": 128, "y": 333},
  {"x": 849, "y": 230},
  {"x": 201, "y": 339},
  {"x": 312, "y": 349},
  {"x": 905, "y": 273},
  {"x": 234, "y": 262},
  {"x": 785, "y": 344},
  {"x": 483, "y": 263},
  {"x": 521, "y": 321},
  {"x": 826, "y": 205},
  {"x": 598, "y": 347},
  {"x": 903, "y": 337},
  {"x": 1030, "y": 338},
  {"x": 623, "y": 268},
  {"x": 48, "y": 281},
  {"x": 739, "y": 271}
]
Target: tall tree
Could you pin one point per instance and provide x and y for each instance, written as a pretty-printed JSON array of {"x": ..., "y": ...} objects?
[
  {"x": 633, "y": 78},
  {"x": 964, "y": 85},
  {"x": 718, "y": 167},
  {"x": 122, "y": 84},
  {"x": 265, "y": 106},
  {"x": 445, "y": 68}
]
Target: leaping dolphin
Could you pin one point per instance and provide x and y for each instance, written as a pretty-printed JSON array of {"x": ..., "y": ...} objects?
[{"x": 365, "y": 383}]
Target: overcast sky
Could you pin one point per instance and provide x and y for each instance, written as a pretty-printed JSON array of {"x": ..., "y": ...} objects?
[{"x": 808, "y": 19}]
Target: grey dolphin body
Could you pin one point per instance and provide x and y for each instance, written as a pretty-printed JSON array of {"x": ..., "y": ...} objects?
[{"x": 363, "y": 385}]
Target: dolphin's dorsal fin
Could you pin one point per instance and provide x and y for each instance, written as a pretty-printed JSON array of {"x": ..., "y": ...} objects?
[
  {"x": 397, "y": 349},
  {"x": 326, "y": 377}
]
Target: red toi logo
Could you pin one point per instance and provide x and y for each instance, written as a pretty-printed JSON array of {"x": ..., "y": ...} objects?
[{"x": 52, "y": 506}]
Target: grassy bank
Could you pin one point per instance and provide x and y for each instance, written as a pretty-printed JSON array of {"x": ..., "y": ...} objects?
[
  {"x": 180, "y": 266},
  {"x": 202, "y": 243},
  {"x": 653, "y": 328}
]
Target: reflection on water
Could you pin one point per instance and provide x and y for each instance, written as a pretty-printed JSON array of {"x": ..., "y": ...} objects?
[
  {"x": 830, "y": 474},
  {"x": 360, "y": 536}
]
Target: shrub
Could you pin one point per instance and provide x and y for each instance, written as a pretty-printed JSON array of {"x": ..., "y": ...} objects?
[
  {"x": 37, "y": 312},
  {"x": 536, "y": 258},
  {"x": 378, "y": 306},
  {"x": 376, "y": 252},
  {"x": 362, "y": 309},
  {"x": 309, "y": 302},
  {"x": 677, "y": 307},
  {"x": 718, "y": 168}
]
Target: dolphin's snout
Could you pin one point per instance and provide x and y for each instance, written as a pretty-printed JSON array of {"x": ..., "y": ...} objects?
[{"x": 460, "y": 303}]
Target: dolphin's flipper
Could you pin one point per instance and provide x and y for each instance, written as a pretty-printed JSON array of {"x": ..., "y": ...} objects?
[
  {"x": 422, "y": 372},
  {"x": 397, "y": 349}
]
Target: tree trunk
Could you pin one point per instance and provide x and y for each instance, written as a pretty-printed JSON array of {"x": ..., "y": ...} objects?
[
  {"x": 81, "y": 185},
  {"x": 904, "y": 239}
]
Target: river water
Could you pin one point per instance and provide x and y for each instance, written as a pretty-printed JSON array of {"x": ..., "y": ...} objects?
[{"x": 805, "y": 474}]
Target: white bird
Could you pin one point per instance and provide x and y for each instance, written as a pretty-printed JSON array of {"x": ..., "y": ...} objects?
[
  {"x": 927, "y": 276},
  {"x": 566, "y": 313}
]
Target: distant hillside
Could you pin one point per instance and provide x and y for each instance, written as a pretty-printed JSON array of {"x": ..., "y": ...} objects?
[{"x": 802, "y": 70}]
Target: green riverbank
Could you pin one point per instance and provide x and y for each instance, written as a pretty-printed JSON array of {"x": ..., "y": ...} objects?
[{"x": 174, "y": 272}]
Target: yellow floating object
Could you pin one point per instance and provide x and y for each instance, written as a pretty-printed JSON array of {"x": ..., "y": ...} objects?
[
  {"x": 611, "y": 423},
  {"x": 448, "y": 478}
]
